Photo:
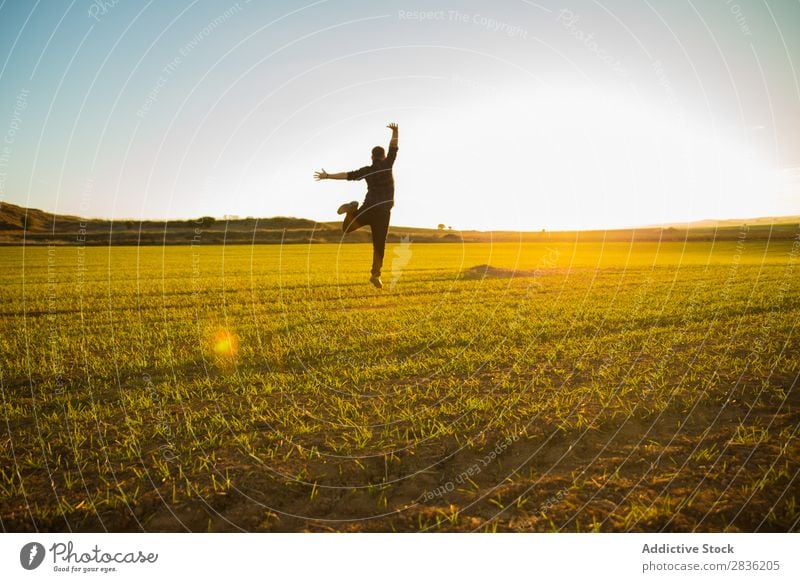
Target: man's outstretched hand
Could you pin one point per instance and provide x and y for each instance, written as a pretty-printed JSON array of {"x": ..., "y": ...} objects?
[
  {"x": 321, "y": 175},
  {"x": 393, "y": 141}
]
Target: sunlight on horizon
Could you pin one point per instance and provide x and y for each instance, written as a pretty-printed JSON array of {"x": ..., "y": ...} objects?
[
  {"x": 553, "y": 160},
  {"x": 573, "y": 161}
]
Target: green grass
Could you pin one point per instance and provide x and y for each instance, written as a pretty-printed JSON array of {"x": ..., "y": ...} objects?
[{"x": 577, "y": 387}]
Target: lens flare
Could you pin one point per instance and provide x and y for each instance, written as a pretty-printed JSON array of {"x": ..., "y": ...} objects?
[{"x": 224, "y": 343}]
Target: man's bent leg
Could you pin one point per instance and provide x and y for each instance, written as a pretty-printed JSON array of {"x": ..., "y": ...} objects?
[{"x": 351, "y": 222}]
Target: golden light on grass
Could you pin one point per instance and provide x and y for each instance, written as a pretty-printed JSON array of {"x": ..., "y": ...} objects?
[{"x": 224, "y": 343}]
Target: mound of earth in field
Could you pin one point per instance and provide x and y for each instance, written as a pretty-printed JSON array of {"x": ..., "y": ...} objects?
[{"x": 489, "y": 272}]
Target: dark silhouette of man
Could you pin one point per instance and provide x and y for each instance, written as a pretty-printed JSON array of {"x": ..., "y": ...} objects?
[{"x": 377, "y": 206}]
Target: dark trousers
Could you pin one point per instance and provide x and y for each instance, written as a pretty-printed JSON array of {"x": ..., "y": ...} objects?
[{"x": 377, "y": 217}]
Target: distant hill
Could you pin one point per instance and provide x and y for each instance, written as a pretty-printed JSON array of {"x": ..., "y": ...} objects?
[
  {"x": 13, "y": 218},
  {"x": 722, "y": 222},
  {"x": 31, "y": 226}
]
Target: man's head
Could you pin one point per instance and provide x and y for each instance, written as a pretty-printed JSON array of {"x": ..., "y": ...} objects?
[{"x": 378, "y": 154}]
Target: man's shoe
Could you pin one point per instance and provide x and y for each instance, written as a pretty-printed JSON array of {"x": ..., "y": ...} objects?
[
  {"x": 349, "y": 207},
  {"x": 376, "y": 280}
]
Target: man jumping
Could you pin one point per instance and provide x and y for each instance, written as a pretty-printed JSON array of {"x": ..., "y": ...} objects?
[{"x": 378, "y": 203}]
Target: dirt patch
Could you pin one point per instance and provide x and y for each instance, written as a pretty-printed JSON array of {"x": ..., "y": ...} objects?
[{"x": 489, "y": 272}]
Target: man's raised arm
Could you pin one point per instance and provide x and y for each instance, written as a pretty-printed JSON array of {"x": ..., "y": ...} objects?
[{"x": 393, "y": 141}]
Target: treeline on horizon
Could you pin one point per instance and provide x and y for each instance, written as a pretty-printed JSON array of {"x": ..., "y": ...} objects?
[{"x": 29, "y": 226}]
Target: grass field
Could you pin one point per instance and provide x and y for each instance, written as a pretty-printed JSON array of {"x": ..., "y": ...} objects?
[{"x": 575, "y": 387}]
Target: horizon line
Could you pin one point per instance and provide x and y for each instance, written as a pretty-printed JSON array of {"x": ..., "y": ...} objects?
[{"x": 761, "y": 220}]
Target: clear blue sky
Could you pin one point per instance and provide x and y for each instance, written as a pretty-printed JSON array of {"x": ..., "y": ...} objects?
[{"x": 512, "y": 114}]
